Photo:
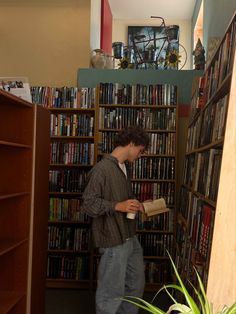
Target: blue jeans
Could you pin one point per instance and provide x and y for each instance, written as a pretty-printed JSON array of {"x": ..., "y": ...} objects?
[{"x": 120, "y": 273}]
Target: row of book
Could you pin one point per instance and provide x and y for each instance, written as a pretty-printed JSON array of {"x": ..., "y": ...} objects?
[
  {"x": 199, "y": 217},
  {"x": 157, "y": 272},
  {"x": 65, "y": 180},
  {"x": 158, "y": 168},
  {"x": 68, "y": 238},
  {"x": 216, "y": 73},
  {"x": 188, "y": 170},
  {"x": 156, "y": 244},
  {"x": 207, "y": 172},
  {"x": 66, "y": 209},
  {"x": 188, "y": 260},
  {"x": 71, "y": 153},
  {"x": 153, "y": 190},
  {"x": 221, "y": 65},
  {"x": 71, "y": 125},
  {"x": 209, "y": 127},
  {"x": 138, "y": 94},
  {"x": 161, "y": 222},
  {"x": 68, "y": 267},
  {"x": 201, "y": 227},
  {"x": 160, "y": 143},
  {"x": 184, "y": 203},
  {"x": 120, "y": 117},
  {"x": 63, "y": 97},
  {"x": 213, "y": 121}
]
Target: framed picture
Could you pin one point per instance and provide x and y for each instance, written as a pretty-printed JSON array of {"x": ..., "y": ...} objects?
[{"x": 152, "y": 46}]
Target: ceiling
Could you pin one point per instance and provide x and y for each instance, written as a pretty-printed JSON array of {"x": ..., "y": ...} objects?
[{"x": 143, "y": 9}]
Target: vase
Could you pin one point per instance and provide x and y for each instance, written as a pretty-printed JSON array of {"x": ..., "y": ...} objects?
[
  {"x": 110, "y": 62},
  {"x": 98, "y": 59},
  {"x": 118, "y": 49}
]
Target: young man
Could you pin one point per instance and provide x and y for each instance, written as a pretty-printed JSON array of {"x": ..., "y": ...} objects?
[{"x": 108, "y": 198}]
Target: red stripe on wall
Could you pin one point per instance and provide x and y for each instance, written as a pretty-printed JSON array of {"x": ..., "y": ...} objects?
[{"x": 106, "y": 27}]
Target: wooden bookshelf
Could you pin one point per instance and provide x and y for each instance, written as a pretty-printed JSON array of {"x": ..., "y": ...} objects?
[
  {"x": 154, "y": 108},
  {"x": 206, "y": 220},
  {"x": 163, "y": 136},
  {"x": 72, "y": 142},
  {"x": 24, "y": 135}
]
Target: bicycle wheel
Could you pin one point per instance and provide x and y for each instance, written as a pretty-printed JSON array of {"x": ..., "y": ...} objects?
[
  {"x": 183, "y": 57},
  {"x": 176, "y": 57}
]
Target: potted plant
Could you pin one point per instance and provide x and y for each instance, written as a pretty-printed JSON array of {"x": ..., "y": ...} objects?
[{"x": 190, "y": 307}]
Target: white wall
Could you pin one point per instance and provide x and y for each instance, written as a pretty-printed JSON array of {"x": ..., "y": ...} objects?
[
  {"x": 120, "y": 32},
  {"x": 95, "y": 31}
]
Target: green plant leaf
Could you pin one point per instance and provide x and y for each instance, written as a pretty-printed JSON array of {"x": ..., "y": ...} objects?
[
  {"x": 181, "y": 308},
  {"x": 190, "y": 308},
  {"x": 231, "y": 310},
  {"x": 147, "y": 306},
  {"x": 187, "y": 296}
]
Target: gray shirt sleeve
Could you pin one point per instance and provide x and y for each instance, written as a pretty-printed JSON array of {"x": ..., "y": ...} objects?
[{"x": 94, "y": 203}]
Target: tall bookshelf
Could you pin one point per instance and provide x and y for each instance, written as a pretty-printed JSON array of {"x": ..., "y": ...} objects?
[
  {"x": 206, "y": 218},
  {"x": 107, "y": 115},
  {"x": 72, "y": 113},
  {"x": 24, "y": 146},
  {"x": 154, "y": 107}
]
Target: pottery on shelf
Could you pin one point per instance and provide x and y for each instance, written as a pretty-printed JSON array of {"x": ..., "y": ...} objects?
[{"x": 98, "y": 59}]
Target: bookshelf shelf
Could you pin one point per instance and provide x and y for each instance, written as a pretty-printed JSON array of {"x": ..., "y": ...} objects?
[
  {"x": 70, "y": 165},
  {"x": 68, "y": 284},
  {"x": 72, "y": 138},
  {"x": 72, "y": 110}
]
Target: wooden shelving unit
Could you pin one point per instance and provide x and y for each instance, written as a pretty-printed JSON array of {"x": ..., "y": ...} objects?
[
  {"x": 155, "y": 108},
  {"x": 22, "y": 260},
  {"x": 206, "y": 220},
  {"x": 72, "y": 143}
]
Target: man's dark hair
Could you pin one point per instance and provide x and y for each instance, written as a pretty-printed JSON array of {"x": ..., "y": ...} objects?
[{"x": 134, "y": 134}]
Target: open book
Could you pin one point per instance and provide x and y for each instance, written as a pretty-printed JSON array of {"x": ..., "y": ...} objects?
[{"x": 155, "y": 207}]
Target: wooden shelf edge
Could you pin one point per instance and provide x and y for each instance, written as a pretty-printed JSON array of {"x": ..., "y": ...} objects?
[
  {"x": 67, "y": 283},
  {"x": 65, "y": 137},
  {"x": 14, "y": 144},
  {"x": 146, "y": 257},
  {"x": 12, "y": 195},
  {"x": 15, "y": 101},
  {"x": 8, "y": 245},
  {"x": 53, "y": 109},
  {"x": 137, "y": 106},
  {"x": 71, "y": 165},
  {"x": 8, "y": 300}
]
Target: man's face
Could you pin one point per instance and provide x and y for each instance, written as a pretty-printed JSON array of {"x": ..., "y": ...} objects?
[{"x": 135, "y": 152}]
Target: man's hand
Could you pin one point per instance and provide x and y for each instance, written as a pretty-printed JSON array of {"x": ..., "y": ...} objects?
[{"x": 129, "y": 206}]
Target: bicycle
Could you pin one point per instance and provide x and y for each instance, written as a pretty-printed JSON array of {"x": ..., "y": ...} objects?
[{"x": 154, "y": 47}]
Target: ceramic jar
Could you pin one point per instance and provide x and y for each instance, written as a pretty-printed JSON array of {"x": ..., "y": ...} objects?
[
  {"x": 110, "y": 62},
  {"x": 98, "y": 59}
]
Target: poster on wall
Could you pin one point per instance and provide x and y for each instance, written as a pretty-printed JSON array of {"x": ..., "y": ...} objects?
[
  {"x": 18, "y": 86},
  {"x": 154, "y": 47}
]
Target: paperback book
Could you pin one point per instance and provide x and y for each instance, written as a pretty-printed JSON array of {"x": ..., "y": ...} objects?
[{"x": 155, "y": 207}]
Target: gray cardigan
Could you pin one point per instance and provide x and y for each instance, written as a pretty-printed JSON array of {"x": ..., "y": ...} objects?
[{"x": 107, "y": 185}]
